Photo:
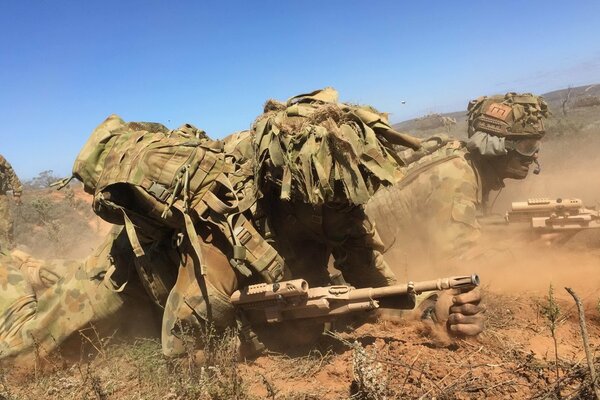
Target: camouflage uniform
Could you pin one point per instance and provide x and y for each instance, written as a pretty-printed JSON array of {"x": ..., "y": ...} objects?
[
  {"x": 434, "y": 208},
  {"x": 8, "y": 181},
  {"x": 43, "y": 303},
  {"x": 144, "y": 256},
  {"x": 37, "y": 318},
  {"x": 318, "y": 161},
  {"x": 307, "y": 235},
  {"x": 180, "y": 197},
  {"x": 447, "y": 183},
  {"x": 99, "y": 288}
]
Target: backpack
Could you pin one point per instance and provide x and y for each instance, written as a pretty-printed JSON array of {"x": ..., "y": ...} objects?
[{"x": 153, "y": 180}]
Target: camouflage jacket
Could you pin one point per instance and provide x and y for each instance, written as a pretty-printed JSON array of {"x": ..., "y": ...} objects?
[
  {"x": 8, "y": 178},
  {"x": 434, "y": 207}
]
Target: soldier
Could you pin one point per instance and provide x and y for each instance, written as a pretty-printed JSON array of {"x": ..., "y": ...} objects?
[
  {"x": 316, "y": 212},
  {"x": 188, "y": 268},
  {"x": 430, "y": 216},
  {"x": 313, "y": 179},
  {"x": 38, "y": 320},
  {"x": 448, "y": 182},
  {"x": 8, "y": 181},
  {"x": 42, "y": 303}
]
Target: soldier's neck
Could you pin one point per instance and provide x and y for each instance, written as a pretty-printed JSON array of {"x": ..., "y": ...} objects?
[{"x": 489, "y": 174}]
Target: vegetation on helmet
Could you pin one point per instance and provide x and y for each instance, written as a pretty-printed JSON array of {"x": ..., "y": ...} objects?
[{"x": 508, "y": 116}]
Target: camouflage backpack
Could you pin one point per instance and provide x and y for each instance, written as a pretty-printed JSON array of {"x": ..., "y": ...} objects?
[
  {"x": 158, "y": 183},
  {"x": 318, "y": 150},
  {"x": 155, "y": 181},
  {"x": 142, "y": 172}
]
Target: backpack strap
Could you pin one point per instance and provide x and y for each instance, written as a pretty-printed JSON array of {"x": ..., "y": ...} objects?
[
  {"x": 251, "y": 252},
  {"x": 258, "y": 253}
]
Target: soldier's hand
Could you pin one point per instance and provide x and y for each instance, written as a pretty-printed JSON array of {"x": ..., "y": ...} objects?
[{"x": 462, "y": 313}]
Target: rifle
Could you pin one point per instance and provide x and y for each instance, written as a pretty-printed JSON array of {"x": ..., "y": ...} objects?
[
  {"x": 293, "y": 300},
  {"x": 554, "y": 215}
]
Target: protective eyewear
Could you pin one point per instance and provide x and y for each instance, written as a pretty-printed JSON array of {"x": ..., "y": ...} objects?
[{"x": 526, "y": 147}]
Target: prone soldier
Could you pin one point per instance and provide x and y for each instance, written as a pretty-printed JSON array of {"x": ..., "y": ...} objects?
[
  {"x": 431, "y": 215},
  {"x": 8, "y": 181},
  {"x": 317, "y": 212},
  {"x": 448, "y": 182}
]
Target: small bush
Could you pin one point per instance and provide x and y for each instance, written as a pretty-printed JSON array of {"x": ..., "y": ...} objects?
[
  {"x": 370, "y": 376},
  {"x": 587, "y": 101}
]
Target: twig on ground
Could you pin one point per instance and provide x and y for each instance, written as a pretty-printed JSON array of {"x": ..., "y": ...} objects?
[
  {"x": 412, "y": 364},
  {"x": 452, "y": 371},
  {"x": 586, "y": 344}
]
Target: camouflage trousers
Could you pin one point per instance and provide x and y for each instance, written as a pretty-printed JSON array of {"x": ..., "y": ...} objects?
[
  {"x": 6, "y": 224},
  {"x": 307, "y": 236},
  {"x": 44, "y": 303}
]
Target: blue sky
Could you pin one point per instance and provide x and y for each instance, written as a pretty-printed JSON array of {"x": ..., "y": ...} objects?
[{"x": 66, "y": 65}]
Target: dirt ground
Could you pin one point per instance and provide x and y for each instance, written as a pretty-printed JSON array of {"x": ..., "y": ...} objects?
[{"x": 515, "y": 358}]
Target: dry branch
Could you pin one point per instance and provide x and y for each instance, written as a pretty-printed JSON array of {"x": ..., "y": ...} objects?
[{"x": 586, "y": 344}]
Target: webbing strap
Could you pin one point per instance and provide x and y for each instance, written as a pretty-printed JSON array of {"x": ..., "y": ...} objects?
[
  {"x": 239, "y": 251},
  {"x": 217, "y": 205},
  {"x": 265, "y": 261},
  {"x": 108, "y": 283},
  {"x": 193, "y": 236},
  {"x": 261, "y": 256},
  {"x": 132, "y": 235}
]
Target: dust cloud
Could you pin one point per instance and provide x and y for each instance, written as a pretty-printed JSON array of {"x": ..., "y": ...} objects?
[
  {"x": 515, "y": 259},
  {"x": 570, "y": 169}
]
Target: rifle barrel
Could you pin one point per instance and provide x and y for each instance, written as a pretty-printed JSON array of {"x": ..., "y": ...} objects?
[{"x": 455, "y": 282}]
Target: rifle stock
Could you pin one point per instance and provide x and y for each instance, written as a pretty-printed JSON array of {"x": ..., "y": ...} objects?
[{"x": 292, "y": 300}]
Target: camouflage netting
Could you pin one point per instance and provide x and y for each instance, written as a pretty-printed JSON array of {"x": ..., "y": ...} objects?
[
  {"x": 510, "y": 115},
  {"x": 319, "y": 150}
]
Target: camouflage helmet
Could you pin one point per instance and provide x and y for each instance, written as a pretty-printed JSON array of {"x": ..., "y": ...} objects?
[{"x": 511, "y": 115}]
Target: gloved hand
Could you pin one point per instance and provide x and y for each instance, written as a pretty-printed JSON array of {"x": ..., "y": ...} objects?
[{"x": 461, "y": 313}]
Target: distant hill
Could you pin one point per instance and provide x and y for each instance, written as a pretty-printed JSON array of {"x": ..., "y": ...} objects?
[{"x": 582, "y": 114}]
